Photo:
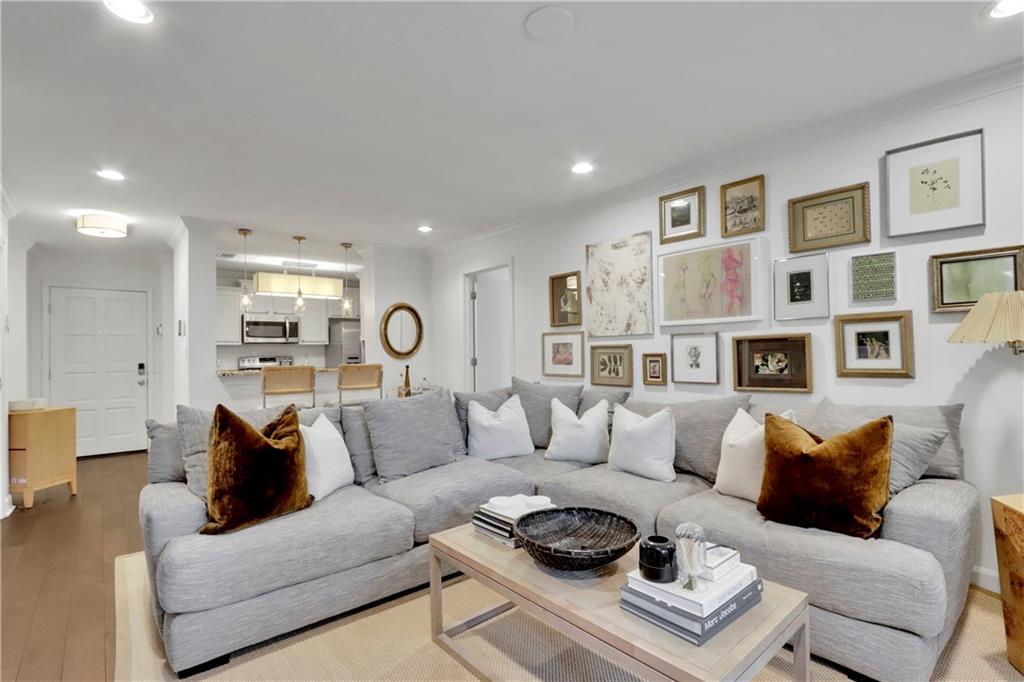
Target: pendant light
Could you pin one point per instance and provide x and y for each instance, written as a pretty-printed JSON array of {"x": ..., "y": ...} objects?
[
  {"x": 300, "y": 302},
  {"x": 245, "y": 300},
  {"x": 346, "y": 302}
]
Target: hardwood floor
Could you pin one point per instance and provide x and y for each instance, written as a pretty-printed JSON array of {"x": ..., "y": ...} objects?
[{"x": 57, "y": 572}]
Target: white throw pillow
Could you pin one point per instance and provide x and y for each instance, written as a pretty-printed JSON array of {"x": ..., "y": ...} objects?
[
  {"x": 643, "y": 446},
  {"x": 502, "y": 433},
  {"x": 580, "y": 439},
  {"x": 742, "y": 465},
  {"x": 328, "y": 464}
]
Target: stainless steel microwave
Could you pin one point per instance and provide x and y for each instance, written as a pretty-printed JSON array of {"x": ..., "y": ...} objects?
[{"x": 259, "y": 328}]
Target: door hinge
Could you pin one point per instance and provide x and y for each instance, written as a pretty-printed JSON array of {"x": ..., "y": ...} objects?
[
  {"x": 49, "y": 309},
  {"x": 472, "y": 362},
  {"x": 472, "y": 295}
]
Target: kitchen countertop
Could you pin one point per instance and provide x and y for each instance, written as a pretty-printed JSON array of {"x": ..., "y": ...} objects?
[{"x": 256, "y": 372}]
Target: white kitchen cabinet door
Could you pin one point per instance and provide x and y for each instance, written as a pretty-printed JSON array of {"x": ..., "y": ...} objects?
[
  {"x": 313, "y": 323},
  {"x": 262, "y": 305},
  {"x": 229, "y": 317},
  {"x": 285, "y": 305}
]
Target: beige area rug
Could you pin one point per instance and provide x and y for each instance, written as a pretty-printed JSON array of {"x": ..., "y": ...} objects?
[{"x": 392, "y": 642}]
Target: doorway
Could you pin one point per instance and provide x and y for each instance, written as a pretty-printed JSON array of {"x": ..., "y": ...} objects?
[
  {"x": 490, "y": 328},
  {"x": 99, "y": 364}
]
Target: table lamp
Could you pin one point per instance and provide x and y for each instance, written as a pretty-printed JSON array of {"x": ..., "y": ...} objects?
[{"x": 996, "y": 318}]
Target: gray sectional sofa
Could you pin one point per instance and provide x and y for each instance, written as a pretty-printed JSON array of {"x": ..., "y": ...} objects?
[{"x": 883, "y": 607}]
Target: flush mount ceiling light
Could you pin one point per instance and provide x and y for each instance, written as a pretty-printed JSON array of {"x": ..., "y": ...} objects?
[
  {"x": 110, "y": 174},
  {"x": 130, "y": 10},
  {"x": 582, "y": 167},
  {"x": 425, "y": 228},
  {"x": 1004, "y": 9},
  {"x": 106, "y": 226}
]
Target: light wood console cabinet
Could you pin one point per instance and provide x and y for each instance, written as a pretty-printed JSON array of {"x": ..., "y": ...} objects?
[{"x": 43, "y": 451}]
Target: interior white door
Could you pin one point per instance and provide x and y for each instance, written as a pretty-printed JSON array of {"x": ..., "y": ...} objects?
[
  {"x": 492, "y": 329},
  {"x": 98, "y": 365}
]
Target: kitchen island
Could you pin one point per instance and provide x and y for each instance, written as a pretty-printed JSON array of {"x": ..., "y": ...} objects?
[{"x": 243, "y": 387}]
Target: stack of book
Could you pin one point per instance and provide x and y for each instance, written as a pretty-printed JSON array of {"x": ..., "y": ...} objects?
[
  {"x": 731, "y": 588},
  {"x": 495, "y": 518}
]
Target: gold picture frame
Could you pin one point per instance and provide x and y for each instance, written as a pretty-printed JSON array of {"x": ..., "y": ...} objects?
[
  {"x": 972, "y": 281},
  {"x": 868, "y": 344},
  {"x": 565, "y": 309},
  {"x": 654, "y": 369},
  {"x": 611, "y": 365},
  {"x": 773, "y": 363},
  {"x": 679, "y": 223},
  {"x": 835, "y": 217},
  {"x": 742, "y": 212}
]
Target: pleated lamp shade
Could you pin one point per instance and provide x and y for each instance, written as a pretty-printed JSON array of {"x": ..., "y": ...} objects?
[{"x": 995, "y": 318}]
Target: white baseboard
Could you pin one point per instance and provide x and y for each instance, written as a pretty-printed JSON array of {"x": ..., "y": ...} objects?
[{"x": 986, "y": 578}]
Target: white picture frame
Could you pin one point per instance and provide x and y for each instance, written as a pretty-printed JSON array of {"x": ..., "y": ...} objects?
[
  {"x": 562, "y": 354},
  {"x": 614, "y": 310},
  {"x": 695, "y": 358},
  {"x": 936, "y": 185},
  {"x": 800, "y": 287}
]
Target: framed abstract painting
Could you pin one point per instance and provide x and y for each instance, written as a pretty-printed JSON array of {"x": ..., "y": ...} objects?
[
  {"x": 773, "y": 362},
  {"x": 562, "y": 354},
  {"x": 873, "y": 277},
  {"x": 564, "y": 299},
  {"x": 712, "y": 284},
  {"x": 619, "y": 286},
  {"x": 836, "y": 217},
  {"x": 960, "y": 279}
]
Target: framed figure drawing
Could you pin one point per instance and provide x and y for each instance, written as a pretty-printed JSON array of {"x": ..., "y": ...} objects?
[
  {"x": 695, "y": 358},
  {"x": 682, "y": 215},
  {"x": 619, "y": 286},
  {"x": 936, "y": 185},
  {"x": 564, "y": 299},
  {"x": 611, "y": 365},
  {"x": 742, "y": 206},
  {"x": 712, "y": 284},
  {"x": 875, "y": 344},
  {"x": 654, "y": 369},
  {"x": 801, "y": 287},
  {"x": 773, "y": 362},
  {"x": 836, "y": 217},
  {"x": 960, "y": 279},
  {"x": 562, "y": 354},
  {"x": 873, "y": 277}
]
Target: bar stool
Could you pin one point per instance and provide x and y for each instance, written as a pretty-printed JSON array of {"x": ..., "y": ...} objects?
[
  {"x": 360, "y": 378},
  {"x": 288, "y": 380}
]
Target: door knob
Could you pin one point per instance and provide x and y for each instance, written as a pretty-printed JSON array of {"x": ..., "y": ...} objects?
[{"x": 142, "y": 382}]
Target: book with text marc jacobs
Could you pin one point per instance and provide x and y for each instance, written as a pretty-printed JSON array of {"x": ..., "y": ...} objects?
[
  {"x": 700, "y": 603},
  {"x": 739, "y": 604},
  {"x": 683, "y": 633}
]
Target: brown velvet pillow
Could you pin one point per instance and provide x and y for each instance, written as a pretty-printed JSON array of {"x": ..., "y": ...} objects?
[
  {"x": 254, "y": 475},
  {"x": 840, "y": 484}
]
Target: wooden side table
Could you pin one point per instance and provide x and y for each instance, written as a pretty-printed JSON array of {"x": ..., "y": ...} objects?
[
  {"x": 1008, "y": 521},
  {"x": 43, "y": 451}
]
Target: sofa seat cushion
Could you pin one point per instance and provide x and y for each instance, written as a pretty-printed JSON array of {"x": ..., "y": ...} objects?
[
  {"x": 447, "y": 496},
  {"x": 637, "y": 498},
  {"x": 876, "y": 581},
  {"x": 537, "y": 468},
  {"x": 348, "y": 528}
]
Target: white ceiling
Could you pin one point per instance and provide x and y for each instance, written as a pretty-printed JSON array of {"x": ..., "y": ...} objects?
[{"x": 361, "y": 121}]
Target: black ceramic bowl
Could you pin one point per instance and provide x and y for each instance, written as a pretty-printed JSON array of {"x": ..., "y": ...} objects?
[{"x": 575, "y": 538}]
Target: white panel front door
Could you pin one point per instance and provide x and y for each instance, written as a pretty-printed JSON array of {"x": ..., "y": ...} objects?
[{"x": 97, "y": 346}]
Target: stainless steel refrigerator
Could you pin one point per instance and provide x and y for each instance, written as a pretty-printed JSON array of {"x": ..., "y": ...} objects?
[{"x": 345, "y": 343}]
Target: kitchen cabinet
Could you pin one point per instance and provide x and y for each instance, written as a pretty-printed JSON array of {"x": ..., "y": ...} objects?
[
  {"x": 229, "y": 317},
  {"x": 262, "y": 304},
  {"x": 284, "y": 305},
  {"x": 313, "y": 323}
]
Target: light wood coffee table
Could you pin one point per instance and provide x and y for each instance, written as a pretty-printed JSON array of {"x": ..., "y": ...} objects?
[{"x": 587, "y": 609}]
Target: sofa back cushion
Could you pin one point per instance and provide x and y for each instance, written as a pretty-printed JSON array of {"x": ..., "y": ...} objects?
[
  {"x": 503, "y": 432},
  {"x": 700, "y": 425},
  {"x": 410, "y": 435},
  {"x": 357, "y": 438},
  {"x": 592, "y": 396},
  {"x": 492, "y": 400},
  {"x": 536, "y": 399},
  {"x": 166, "y": 461}
]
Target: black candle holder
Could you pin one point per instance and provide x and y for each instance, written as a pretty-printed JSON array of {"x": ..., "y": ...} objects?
[{"x": 658, "y": 559}]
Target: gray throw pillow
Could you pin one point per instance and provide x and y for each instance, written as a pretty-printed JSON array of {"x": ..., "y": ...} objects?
[
  {"x": 166, "y": 464},
  {"x": 949, "y": 460},
  {"x": 592, "y": 396},
  {"x": 913, "y": 447},
  {"x": 357, "y": 439},
  {"x": 699, "y": 428},
  {"x": 492, "y": 400},
  {"x": 410, "y": 435},
  {"x": 536, "y": 400}
]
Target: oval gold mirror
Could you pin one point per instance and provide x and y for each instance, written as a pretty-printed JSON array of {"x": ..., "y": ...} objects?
[{"x": 401, "y": 331}]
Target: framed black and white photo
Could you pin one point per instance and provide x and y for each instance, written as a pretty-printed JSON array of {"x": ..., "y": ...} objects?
[
  {"x": 875, "y": 345},
  {"x": 695, "y": 358},
  {"x": 562, "y": 354},
  {"x": 682, "y": 215},
  {"x": 801, "y": 287},
  {"x": 936, "y": 185}
]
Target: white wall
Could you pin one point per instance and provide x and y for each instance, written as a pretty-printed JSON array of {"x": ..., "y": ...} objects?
[
  {"x": 988, "y": 380},
  {"x": 8, "y": 209},
  {"x": 16, "y": 382}
]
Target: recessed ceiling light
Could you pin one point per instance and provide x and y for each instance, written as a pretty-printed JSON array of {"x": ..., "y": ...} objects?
[
  {"x": 108, "y": 227},
  {"x": 425, "y": 228},
  {"x": 130, "y": 10},
  {"x": 110, "y": 174},
  {"x": 1006, "y": 8},
  {"x": 582, "y": 168}
]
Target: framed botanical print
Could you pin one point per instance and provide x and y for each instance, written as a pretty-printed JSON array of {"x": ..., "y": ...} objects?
[
  {"x": 611, "y": 365},
  {"x": 711, "y": 284},
  {"x": 875, "y": 344},
  {"x": 682, "y": 215},
  {"x": 873, "y": 277},
  {"x": 564, "y": 299},
  {"x": 695, "y": 358},
  {"x": 836, "y": 217},
  {"x": 960, "y": 279},
  {"x": 742, "y": 206},
  {"x": 654, "y": 369},
  {"x": 801, "y": 287},
  {"x": 772, "y": 362},
  {"x": 562, "y": 354},
  {"x": 936, "y": 185}
]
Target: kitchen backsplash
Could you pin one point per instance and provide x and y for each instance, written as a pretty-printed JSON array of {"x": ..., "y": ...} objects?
[{"x": 227, "y": 356}]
